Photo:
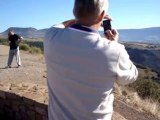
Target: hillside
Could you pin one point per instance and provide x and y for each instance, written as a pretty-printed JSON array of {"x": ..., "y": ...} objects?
[
  {"x": 146, "y": 35},
  {"x": 145, "y": 54},
  {"x": 26, "y": 32}
]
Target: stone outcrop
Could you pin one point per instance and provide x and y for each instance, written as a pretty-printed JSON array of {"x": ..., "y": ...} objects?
[
  {"x": 26, "y": 101},
  {"x": 23, "y": 102}
]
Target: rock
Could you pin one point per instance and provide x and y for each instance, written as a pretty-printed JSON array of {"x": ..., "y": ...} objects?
[
  {"x": 117, "y": 116},
  {"x": 2, "y": 94},
  {"x": 32, "y": 87},
  {"x": 39, "y": 117},
  {"x": 40, "y": 111},
  {"x": 31, "y": 115},
  {"x": 22, "y": 108}
]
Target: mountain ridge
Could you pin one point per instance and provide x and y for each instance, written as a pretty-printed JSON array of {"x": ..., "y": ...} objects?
[
  {"x": 145, "y": 35},
  {"x": 28, "y": 32},
  {"x": 150, "y": 35}
]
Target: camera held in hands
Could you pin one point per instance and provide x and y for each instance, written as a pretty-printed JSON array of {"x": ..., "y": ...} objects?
[{"x": 107, "y": 25}]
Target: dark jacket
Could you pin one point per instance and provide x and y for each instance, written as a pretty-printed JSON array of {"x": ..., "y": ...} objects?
[{"x": 14, "y": 41}]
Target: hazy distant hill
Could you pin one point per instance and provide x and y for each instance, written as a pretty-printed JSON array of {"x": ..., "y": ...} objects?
[
  {"x": 27, "y": 32},
  {"x": 146, "y": 35}
]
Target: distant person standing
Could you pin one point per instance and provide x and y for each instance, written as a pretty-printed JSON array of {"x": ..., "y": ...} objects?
[{"x": 14, "y": 41}]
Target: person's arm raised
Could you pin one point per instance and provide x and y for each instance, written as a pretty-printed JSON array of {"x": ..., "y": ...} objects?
[{"x": 69, "y": 22}]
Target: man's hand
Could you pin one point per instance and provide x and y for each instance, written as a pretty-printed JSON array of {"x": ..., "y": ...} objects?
[
  {"x": 69, "y": 22},
  {"x": 112, "y": 35}
]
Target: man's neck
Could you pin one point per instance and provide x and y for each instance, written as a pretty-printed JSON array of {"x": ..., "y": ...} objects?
[{"x": 88, "y": 24}]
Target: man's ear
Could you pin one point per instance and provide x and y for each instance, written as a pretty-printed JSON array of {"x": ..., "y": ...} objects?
[{"x": 101, "y": 16}]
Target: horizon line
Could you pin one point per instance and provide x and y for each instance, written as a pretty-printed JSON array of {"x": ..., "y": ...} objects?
[{"x": 98, "y": 30}]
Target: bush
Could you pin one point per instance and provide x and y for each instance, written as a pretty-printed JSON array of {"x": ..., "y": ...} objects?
[
  {"x": 147, "y": 88},
  {"x": 34, "y": 47},
  {"x": 24, "y": 47},
  {"x": 4, "y": 41},
  {"x": 38, "y": 44},
  {"x": 35, "y": 50}
]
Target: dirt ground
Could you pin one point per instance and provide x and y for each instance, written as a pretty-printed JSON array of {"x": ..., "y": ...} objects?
[{"x": 33, "y": 68}]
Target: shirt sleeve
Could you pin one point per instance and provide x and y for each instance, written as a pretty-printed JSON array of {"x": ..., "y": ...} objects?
[
  {"x": 51, "y": 32},
  {"x": 126, "y": 70},
  {"x": 59, "y": 26}
]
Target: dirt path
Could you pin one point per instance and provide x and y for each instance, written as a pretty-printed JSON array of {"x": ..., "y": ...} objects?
[{"x": 33, "y": 70}]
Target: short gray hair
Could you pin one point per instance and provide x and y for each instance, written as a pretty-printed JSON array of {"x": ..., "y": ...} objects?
[{"x": 89, "y": 9}]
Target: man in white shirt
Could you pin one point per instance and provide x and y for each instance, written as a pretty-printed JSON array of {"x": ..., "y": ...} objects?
[{"x": 82, "y": 67}]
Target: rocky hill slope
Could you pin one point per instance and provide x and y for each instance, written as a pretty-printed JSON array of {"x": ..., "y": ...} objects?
[{"x": 144, "y": 54}]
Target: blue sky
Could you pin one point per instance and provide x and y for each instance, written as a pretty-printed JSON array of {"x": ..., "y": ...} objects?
[{"x": 44, "y": 13}]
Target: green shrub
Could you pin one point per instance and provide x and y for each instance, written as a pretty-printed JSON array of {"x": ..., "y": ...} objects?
[
  {"x": 4, "y": 41},
  {"x": 35, "y": 50},
  {"x": 35, "y": 44},
  {"x": 147, "y": 88},
  {"x": 24, "y": 47},
  {"x": 34, "y": 47}
]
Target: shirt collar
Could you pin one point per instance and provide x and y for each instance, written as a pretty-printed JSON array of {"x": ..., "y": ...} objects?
[{"x": 83, "y": 28}]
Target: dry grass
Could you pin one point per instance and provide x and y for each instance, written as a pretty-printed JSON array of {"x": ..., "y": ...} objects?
[{"x": 133, "y": 98}]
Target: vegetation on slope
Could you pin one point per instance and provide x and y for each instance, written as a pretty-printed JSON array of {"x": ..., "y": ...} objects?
[
  {"x": 34, "y": 47},
  {"x": 147, "y": 85}
]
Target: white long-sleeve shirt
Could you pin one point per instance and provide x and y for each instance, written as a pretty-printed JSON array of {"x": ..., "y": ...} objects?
[{"x": 81, "y": 70}]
